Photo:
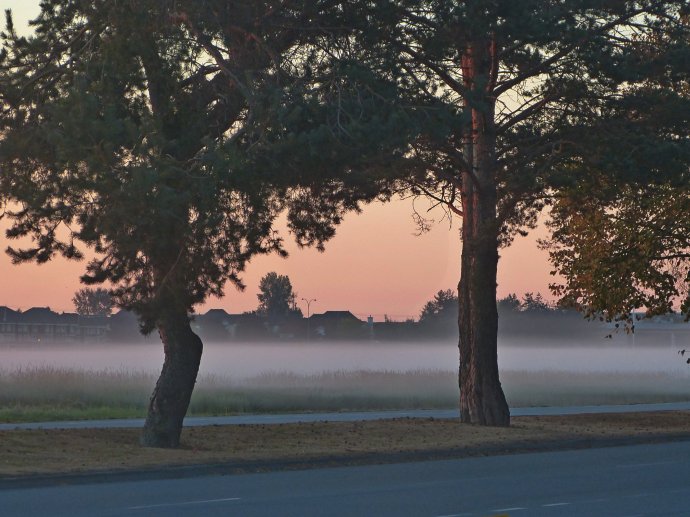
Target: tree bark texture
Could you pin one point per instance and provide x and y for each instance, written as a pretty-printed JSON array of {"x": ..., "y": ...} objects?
[
  {"x": 170, "y": 400},
  {"x": 481, "y": 397}
]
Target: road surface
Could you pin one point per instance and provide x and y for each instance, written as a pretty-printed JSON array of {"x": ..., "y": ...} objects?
[
  {"x": 612, "y": 482},
  {"x": 347, "y": 416}
]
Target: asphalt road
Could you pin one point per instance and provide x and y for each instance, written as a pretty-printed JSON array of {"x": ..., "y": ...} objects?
[
  {"x": 612, "y": 482},
  {"x": 347, "y": 416}
]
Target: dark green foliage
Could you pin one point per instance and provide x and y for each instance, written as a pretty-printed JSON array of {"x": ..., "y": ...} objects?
[
  {"x": 565, "y": 73},
  {"x": 113, "y": 132},
  {"x": 169, "y": 140},
  {"x": 531, "y": 303},
  {"x": 585, "y": 88}
]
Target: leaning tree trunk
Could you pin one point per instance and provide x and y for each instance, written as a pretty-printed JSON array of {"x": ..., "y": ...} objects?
[
  {"x": 481, "y": 397},
  {"x": 173, "y": 391}
]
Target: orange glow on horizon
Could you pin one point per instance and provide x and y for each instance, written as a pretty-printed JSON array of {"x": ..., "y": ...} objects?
[{"x": 375, "y": 265}]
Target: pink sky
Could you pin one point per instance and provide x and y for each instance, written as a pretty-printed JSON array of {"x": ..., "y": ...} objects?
[{"x": 375, "y": 265}]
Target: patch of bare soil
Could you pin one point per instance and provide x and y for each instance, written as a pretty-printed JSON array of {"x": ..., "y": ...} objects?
[{"x": 261, "y": 447}]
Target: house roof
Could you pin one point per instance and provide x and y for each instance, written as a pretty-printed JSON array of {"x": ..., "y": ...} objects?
[
  {"x": 335, "y": 315},
  {"x": 40, "y": 315},
  {"x": 98, "y": 320},
  {"x": 8, "y": 315},
  {"x": 238, "y": 318},
  {"x": 124, "y": 315},
  {"x": 43, "y": 316},
  {"x": 215, "y": 315},
  {"x": 216, "y": 312}
]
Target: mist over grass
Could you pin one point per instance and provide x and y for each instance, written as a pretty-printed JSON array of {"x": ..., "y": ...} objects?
[
  {"x": 54, "y": 393},
  {"x": 99, "y": 381},
  {"x": 243, "y": 360}
]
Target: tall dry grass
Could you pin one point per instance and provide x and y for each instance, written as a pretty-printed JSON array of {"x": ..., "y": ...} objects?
[{"x": 47, "y": 393}]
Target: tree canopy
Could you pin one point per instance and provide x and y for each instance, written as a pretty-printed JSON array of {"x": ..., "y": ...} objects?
[
  {"x": 116, "y": 131},
  {"x": 534, "y": 303},
  {"x": 439, "y": 316},
  {"x": 169, "y": 141},
  {"x": 565, "y": 77}
]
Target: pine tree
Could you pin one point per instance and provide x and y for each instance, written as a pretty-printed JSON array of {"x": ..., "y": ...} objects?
[
  {"x": 443, "y": 305},
  {"x": 167, "y": 137},
  {"x": 507, "y": 97}
]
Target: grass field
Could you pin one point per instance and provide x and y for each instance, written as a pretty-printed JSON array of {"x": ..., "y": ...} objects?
[{"x": 40, "y": 394}]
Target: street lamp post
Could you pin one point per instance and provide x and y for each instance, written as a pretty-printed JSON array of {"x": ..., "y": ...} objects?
[{"x": 308, "y": 302}]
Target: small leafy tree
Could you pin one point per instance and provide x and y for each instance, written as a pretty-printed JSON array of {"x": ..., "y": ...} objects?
[
  {"x": 277, "y": 301},
  {"x": 93, "y": 302},
  {"x": 623, "y": 251},
  {"x": 621, "y": 225}
]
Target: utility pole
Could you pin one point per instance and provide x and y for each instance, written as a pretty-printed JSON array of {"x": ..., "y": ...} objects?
[{"x": 308, "y": 302}]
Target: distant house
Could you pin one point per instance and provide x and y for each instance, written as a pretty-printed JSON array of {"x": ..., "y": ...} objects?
[
  {"x": 215, "y": 325},
  {"x": 405, "y": 330},
  {"x": 40, "y": 324},
  {"x": 8, "y": 324},
  {"x": 337, "y": 324},
  {"x": 92, "y": 329},
  {"x": 221, "y": 326},
  {"x": 124, "y": 328}
]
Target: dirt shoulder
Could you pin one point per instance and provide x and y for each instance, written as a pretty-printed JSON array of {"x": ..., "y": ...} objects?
[{"x": 33, "y": 454}]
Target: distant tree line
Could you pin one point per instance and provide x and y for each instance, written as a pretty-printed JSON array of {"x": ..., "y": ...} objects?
[
  {"x": 531, "y": 302},
  {"x": 439, "y": 316}
]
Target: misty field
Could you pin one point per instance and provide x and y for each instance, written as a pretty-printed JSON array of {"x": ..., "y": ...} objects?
[{"x": 54, "y": 393}]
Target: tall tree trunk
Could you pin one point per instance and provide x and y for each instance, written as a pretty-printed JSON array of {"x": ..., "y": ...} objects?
[
  {"x": 173, "y": 391},
  {"x": 481, "y": 397}
]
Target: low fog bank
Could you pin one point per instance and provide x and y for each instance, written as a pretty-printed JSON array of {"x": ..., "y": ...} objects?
[
  {"x": 543, "y": 362},
  {"x": 244, "y": 360}
]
